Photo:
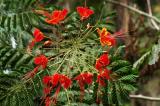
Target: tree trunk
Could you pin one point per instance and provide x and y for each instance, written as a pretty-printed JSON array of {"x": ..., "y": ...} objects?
[{"x": 122, "y": 16}]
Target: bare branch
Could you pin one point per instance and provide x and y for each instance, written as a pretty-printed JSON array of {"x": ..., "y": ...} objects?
[
  {"x": 144, "y": 97},
  {"x": 150, "y": 13},
  {"x": 135, "y": 10}
]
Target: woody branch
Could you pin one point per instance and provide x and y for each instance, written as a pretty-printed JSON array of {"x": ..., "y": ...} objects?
[
  {"x": 144, "y": 97},
  {"x": 135, "y": 10}
]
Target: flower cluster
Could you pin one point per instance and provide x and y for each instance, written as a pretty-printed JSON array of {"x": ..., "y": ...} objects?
[
  {"x": 59, "y": 15},
  {"x": 56, "y": 81},
  {"x": 40, "y": 61},
  {"x": 82, "y": 79},
  {"x": 106, "y": 39},
  {"x": 103, "y": 72}
]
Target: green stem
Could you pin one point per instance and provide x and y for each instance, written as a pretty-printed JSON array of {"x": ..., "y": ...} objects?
[
  {"x": 69, "y": 103},
  {"x": 64, "y": 57}
]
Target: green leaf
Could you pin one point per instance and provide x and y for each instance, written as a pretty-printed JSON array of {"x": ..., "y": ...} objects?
[
  {"x": 155, "y": 54},
  {"x": 141, "y": 60},
  {"x": 128, "y": 78}
]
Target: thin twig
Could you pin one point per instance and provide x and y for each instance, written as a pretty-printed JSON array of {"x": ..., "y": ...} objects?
[
  {"x": 135, "y": 10},
  {"x": 144, "y": 97},
  {"x": 150, "y": 13}
]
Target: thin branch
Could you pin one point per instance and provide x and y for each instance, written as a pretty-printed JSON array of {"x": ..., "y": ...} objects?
[
  {"x": 144, "y": 97},
  {"x": 150, "y": 13},
  {"x": 135, "y": 10}
]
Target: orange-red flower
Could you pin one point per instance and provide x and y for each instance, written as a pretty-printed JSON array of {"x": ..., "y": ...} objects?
[
  {"x": 56, "y": 16},
  {"x": 41, "y": 61},
  {"x": 84, "y": 78},
  {"x": 106, "y": 38},
  {"x": 103, "y": 76},
  {"x": 84, "y": 12},
  {"x": 102, "y": 62}
]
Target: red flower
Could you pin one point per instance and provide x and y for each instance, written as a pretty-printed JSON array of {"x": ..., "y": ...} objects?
[
  {"x": 41, "y": 61},
  {"x": 47, "y": 101},
  {"x": 56, "y": 16},
  {"x": 56, "y": 94},
  {"x": 84, "y": 78},
  {"x": 65, "y": 82},
  {"x": 98, "y": 65},
  {"x": 47, "y": 90},
  {"x": 106, "y": 38},
  {"x": 38, "y": 35},
  {"x": 105, "y": 75},
  {"x": 46, "y": 80},
  {"x": 84, "y": 12},
  {"x": 55, "y": 79},
  {"x": 102, "y": 62}
]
